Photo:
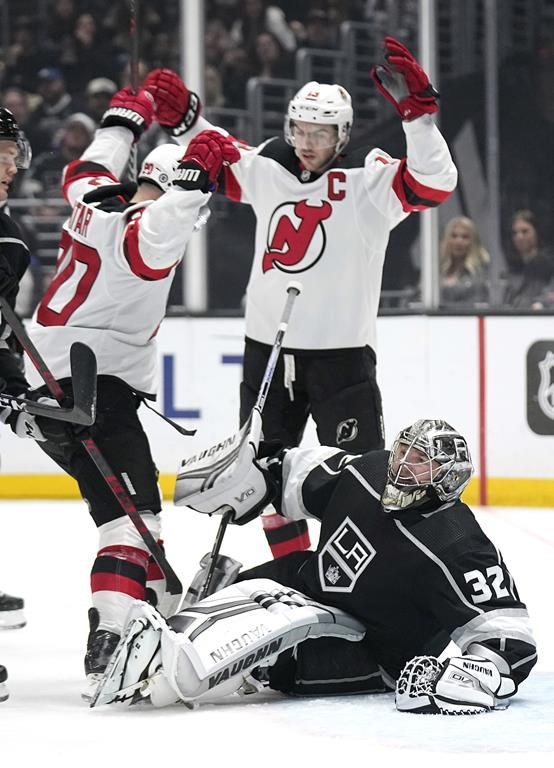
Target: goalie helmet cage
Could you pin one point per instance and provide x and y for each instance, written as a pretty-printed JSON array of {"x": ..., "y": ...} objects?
[{"x": 294, "y": 289}]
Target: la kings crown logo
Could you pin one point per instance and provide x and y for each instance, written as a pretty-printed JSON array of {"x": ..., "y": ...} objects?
[
  {"x": 296, "y": 237},
  {"x": 344, "y": 558}
]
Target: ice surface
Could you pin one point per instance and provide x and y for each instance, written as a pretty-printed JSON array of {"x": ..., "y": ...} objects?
[{"x": 46, "y": 551}]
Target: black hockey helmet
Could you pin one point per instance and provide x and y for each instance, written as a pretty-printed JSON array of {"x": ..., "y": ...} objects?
[
  {"x": 429, "y": 462},
  {"x": 10, "y": 131}
]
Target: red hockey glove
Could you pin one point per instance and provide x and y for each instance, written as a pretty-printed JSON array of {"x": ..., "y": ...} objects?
[
  {"x": 134, "y": 111},
  {"x": 404, "y": 83},
  {"x": 203, "y": 160},
  {"x": 177, "y": 108}
]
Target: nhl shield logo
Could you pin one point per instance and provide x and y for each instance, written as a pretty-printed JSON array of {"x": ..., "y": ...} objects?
[
  {"x": 540, "y": 387},
  {"x": 347, "y": 430},
  {"x": 344, "y": 558}
]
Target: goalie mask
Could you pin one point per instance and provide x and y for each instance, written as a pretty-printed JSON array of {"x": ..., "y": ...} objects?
[
  {"x": 429, "y": 462},
  {"x": 159, "y": 165},
  {"x": 10, "y": 131},
  {"x": 321, "y": 104}
]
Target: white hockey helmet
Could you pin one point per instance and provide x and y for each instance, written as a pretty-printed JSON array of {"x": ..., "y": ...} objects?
[
  {"x": 159, "y": 165},
  {"x": 429, "y": 462},
  {"x": 322, "y": 104}
]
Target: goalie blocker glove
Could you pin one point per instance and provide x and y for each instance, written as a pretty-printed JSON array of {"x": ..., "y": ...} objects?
[
  {"x": 177, "y": 108},
  {"x": 202, "y": 163},
  {"x": 462, "y": 685},
  {"x": 134, "y": 111},
  {"x": 404, "y": 83}
]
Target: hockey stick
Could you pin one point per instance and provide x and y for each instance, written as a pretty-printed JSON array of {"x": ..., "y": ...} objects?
[
  {"x": 83, "y": 374},
  {"x": 133, "y": 76},
  {"x": 173, "y": 584},
  {"x": 293, "y": 290}
]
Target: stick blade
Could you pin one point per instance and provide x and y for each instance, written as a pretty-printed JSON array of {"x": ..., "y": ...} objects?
[{"x": 83, "y": 374}]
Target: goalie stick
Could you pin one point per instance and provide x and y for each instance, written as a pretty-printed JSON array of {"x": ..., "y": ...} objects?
[
  {"x": 173, "y": 584},
  {"x": 218, "y": 467}
]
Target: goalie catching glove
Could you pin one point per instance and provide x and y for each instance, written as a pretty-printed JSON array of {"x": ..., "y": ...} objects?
[
  {"x": 462, "y": 685},
  {"x": 227, "y": 477},
  {"x": 404, "y": 83}
]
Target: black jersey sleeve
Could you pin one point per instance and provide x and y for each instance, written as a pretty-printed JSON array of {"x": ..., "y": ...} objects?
[{"x": 468, "y": 587}]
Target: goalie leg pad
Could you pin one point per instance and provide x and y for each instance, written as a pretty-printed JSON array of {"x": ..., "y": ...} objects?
[{"x": 218, "y": 641}]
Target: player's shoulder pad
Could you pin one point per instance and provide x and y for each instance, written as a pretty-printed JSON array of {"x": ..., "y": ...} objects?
[
  {"x": 377, "y": 158},
  {"x": 277, "y": 149}
]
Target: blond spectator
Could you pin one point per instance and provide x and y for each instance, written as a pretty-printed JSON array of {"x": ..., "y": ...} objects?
[{"x": 463, "y": 264}]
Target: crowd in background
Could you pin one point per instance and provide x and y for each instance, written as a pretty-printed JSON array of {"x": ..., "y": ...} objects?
[{"x": 58, "y": 77}]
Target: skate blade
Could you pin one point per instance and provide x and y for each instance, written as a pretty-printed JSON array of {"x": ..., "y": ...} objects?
[{"x": 12, "y": 619}]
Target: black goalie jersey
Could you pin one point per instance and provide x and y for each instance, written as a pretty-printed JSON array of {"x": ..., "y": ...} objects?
[{"x": 414, "y": 579}]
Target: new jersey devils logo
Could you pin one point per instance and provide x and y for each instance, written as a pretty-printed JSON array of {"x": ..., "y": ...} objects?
[{"x": 296, "y": 236}]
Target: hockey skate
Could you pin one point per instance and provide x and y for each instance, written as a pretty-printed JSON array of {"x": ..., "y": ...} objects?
[
  {"x": 3, "y": 683},
  {"x": 11, "y": 612},
  {"x": 100, "y": 646},
  {"x": 133, "y": 675}
]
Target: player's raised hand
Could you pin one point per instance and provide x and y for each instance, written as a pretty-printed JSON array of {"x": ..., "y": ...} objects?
[
  {"x": 130, "y": 110},
  {"x": 404, "y": 83},
  {"x": 203, "y": 161},
  {"x": 176, "y": 107}
]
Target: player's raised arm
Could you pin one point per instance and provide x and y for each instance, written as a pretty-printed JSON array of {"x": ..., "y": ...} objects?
[
  {"x": 427, "y": 175},
  {"x": 103, "y": 162},
  {"x": 156, "y": 235}
]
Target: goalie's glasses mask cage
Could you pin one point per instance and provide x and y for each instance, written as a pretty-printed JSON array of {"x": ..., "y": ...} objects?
[
  {"x": 10, "y": 131},
  {"x": 321, "y": 104},
  {"x": 429, "y": 461}
]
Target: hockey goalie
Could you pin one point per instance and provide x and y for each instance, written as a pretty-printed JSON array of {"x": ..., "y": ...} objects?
[{"x": 402, "y": 574}]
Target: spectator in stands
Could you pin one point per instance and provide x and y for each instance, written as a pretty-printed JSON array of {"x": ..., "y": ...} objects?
[
  {"x": 235, "y": 72},
  {"x": 259, "y": 16},
  {"x": 87, "y": 54},
  {"x": 320, "y": 31},
  {"x": 216, "y": 42},
  {"x": 62, "y": 16},
  {"x": 55, "y": 107},
  {"x": 98, "y": 94},
  {"x": 269, "y": 59},
  {"x": 25, "y": 56},
  {"x": 463, "y": 265},
  {"x": 70, "y": 142},
  {"x": 531, "y": 263},
  {"x": 213, "y": 90}
]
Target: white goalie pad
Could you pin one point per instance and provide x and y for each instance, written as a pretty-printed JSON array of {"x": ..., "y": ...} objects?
[
  {"x": 245, "y": 625},
  {"x": 208, "y": 650},
  {"x": 224, "y": 477}
]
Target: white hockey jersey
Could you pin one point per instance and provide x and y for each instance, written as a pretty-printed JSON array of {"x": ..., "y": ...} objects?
[
  {"x": 330, "y": 232},
  {"x": 114, "y": 270}
]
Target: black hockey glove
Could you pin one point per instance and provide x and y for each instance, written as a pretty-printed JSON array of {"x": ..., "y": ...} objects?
[{"x": 39, "y": 428}]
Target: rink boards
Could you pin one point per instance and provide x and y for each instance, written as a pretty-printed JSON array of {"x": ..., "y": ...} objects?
[{"x": 492, "y": 378}]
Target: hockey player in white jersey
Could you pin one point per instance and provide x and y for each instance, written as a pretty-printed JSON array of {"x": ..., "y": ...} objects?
[
  {"x": 118, "y": 253},
  {"x": 327, "y": 215}
]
